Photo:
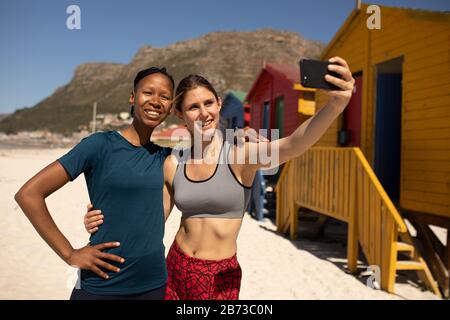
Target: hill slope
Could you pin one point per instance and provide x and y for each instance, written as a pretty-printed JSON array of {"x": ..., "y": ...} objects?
[{"x": 230, "y": 60}]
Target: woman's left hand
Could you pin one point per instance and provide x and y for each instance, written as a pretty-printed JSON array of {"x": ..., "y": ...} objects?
[{"x": 340, "y": 98}]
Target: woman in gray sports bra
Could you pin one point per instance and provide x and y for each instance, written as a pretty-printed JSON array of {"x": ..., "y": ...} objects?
[{"x": 212, "y": 188}]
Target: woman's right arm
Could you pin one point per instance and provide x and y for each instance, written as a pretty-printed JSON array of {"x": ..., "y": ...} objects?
[{"x": 31, "y": 199}]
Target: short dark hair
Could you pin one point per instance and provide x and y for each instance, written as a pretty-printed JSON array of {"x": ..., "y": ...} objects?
[
  {"x": 146, "y": 72},
  {"x": 191, "y": 82}
]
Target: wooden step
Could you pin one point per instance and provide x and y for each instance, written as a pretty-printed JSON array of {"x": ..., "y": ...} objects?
[
  {"x": 409, "y": 265},
  {"x": 405, "y": 247}
]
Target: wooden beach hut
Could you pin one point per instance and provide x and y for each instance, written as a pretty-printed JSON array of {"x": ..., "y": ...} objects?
[
  {"x": 387, "y": 158},
  {"x": 232, "y": 112},
  {"x": 275, "y": 103}
]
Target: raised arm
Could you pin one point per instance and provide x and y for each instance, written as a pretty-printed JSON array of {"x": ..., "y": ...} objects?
[
  {"x": 309, "y": 132},
  {"x": 31, "y": 199}
]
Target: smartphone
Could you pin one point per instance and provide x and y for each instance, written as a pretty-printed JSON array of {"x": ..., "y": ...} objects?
[{"x": 312, "y": 74}]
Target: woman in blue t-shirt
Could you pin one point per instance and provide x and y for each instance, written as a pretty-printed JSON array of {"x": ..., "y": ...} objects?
[{"x": 124, "y": 177}]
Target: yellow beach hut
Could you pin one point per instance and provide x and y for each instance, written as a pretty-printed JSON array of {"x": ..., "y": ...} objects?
[{"x": 387, "y": 157}]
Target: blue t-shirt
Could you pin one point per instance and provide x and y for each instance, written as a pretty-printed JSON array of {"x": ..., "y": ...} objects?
[{"x": 126, "y": 183}]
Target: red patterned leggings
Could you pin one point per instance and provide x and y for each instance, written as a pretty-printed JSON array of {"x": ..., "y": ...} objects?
[{"x": 197, "y": 279}]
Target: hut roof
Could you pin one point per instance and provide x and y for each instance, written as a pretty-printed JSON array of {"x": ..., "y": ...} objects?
[
  {"x": 240, "y": 95},
  {"x": 287, "y": 71},
  {"x": 356, "y": 12}
]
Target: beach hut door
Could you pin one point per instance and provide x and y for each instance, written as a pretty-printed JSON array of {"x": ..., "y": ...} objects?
[
  {"x": 350, "y": 135},
  {"x": 280, "y": 115},
  {"x": 388, "y": 128},
  {"x": 266, "y": 115}
]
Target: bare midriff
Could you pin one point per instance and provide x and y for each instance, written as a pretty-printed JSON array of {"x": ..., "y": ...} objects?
[{"x": 208, "y": 238}]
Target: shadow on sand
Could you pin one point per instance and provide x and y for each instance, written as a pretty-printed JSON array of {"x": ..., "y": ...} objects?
[{"x": 331, "y": 245}]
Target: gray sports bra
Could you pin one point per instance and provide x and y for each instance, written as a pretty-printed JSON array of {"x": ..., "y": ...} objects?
[{"x": 219, "y": 196}]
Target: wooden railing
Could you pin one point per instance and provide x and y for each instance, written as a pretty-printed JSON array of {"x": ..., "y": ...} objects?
[{"x": 340, "y": 183}]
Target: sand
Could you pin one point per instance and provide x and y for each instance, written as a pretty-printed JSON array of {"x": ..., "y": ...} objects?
[{"x": 273, "y": 266}]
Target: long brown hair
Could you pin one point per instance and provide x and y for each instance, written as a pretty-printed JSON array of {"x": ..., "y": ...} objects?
[{"x": 188, "y": 83}]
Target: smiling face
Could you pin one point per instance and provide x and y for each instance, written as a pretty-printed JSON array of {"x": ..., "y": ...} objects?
[
  {"x": 152, "y": 99},
  {"x": 200, "y": 109}
]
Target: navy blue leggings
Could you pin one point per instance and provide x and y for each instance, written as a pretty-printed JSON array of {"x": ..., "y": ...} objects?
[{"x": 155, "y": 294}]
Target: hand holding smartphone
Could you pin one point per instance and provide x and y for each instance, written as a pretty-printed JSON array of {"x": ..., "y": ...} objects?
[{"x": 312, "y": 74}]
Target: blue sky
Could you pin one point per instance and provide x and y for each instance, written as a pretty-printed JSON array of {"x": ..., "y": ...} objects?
[{"x": 38, "y": 53}]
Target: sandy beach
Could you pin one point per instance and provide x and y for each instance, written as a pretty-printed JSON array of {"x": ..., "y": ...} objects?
[{"x": 273, "y": 266}]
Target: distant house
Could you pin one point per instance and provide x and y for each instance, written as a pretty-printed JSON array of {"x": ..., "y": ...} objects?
[
  {"x": 172, "y": 135},
  {"x": 276, "y": 99},
  {"x": 232, "y": 112}
]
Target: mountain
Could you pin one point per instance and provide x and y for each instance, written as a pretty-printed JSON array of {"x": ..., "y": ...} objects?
[
  {"x": 229, "y": 60},
  {"x": 3, "y": 116}
]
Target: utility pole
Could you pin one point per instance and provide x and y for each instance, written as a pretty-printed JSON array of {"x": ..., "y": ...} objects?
[{"x": 94, "y": 116}]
